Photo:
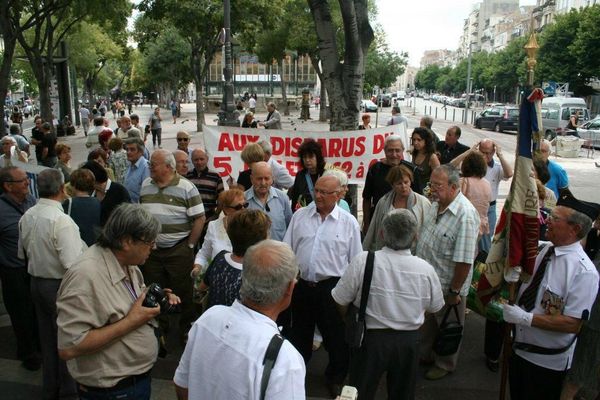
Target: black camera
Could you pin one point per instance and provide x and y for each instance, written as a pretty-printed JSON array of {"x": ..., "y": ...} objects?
[{"x": 155, "y": 296}]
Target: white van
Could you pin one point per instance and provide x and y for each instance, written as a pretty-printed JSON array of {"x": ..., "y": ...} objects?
[
  {"x": 556, "y": 112},
  {"x": 400, "y": 95}
]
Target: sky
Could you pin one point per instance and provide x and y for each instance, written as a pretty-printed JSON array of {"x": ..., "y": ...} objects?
[{"x": 418, "y": 25}]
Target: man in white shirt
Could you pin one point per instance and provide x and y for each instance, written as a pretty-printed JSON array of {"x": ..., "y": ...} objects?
[
  {"x": 325, "y": 239},
  {"x": 84, "y": 113},
  {"x": 223, "y": 358},
  {"x": 281, "y": 176},
  {"x": 252, "y": 104},
  {"x": 50, "y": 241},
  {"x": 552, "y": 306},
  {"x": 403, "y": 288},
  {"x": 397, "y": 118}
]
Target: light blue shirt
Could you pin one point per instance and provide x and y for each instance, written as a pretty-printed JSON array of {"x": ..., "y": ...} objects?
[
  {"x": 135, "y": 175},
  {"x": 277, "y": 207}
]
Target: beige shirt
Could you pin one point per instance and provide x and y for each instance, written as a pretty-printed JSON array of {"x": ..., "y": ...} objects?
[
  {"x": 50, "y": 239},
  {"x": 94, "y": 294}
]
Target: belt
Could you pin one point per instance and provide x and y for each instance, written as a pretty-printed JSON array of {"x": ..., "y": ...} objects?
[
  {"x": 492, "y": 203},
  {"x": 122, "y": 384},
  {"x": 315, "y": 284}
]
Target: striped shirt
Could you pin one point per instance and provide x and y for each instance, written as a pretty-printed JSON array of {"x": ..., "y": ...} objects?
[
  {"x": 174, "y": 206},
  {"x": 449, "y": 238},
  {"x": 209, "y": 185}
]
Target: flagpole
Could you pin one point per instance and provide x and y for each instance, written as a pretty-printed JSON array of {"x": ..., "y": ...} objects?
[{"x": 531, "y": 49}]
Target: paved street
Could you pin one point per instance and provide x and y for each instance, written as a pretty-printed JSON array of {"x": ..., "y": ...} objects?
[{"x": 471, "y": 380}]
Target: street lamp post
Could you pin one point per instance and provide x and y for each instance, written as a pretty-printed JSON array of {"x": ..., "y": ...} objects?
[
  {"x": 468, "y": 86},
  {"x": 228, "y": 116}
]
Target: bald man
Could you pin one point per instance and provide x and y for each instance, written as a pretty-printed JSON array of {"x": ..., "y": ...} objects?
[
  {"x": 273, "y": 202},
  {"x": 208, "y": 183}
]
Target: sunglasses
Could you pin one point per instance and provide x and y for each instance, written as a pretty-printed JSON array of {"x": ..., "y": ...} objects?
[
  {"x": 238, "y": 207},
  {"x": 179, "y": 139}
]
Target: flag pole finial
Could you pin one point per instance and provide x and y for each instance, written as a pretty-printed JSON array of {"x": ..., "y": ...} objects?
[{"x": 531, "y": 48}]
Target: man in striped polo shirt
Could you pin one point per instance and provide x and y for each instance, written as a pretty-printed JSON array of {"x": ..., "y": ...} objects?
[
  {"x": 208, "y": 183},
  {"x": 177, "y": 205}
]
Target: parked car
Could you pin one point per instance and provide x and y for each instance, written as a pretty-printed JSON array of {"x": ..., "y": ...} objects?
[
  {"x": 385, "y": 100},
  {"x": 368, "y": 106},
  {"x": 590, "y": 131},
  {"x": 556, "y": 112},
  {"x": 499, "y": 119}
]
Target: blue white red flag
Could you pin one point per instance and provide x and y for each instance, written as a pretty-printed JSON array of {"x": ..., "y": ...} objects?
[{"x": 516, "y": 238}]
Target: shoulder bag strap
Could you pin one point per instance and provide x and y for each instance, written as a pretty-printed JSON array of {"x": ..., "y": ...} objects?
[
  {"x": 269, "y": 361},
  {"x": 366, "y": 286},
  {"x": 310, "y": 185}
]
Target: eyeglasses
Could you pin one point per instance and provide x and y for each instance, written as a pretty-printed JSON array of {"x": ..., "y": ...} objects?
[
  {"x": 150, "y": 243},
  {"x": 436, "y": 185},
  {"x": 238, "y": 207},
  {"x": 182, "y": 139},
  {"x": 554, "y": 218},
  {"x": 18, "y": 180},
  {"x": 324, "y": 192}
]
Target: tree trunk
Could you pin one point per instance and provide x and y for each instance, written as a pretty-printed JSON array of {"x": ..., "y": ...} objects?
[
  {"x": 343, "y": 81},
  {"x": 323, "y": 104},
  {"x": 323, "y": 91},
  {"x": 5, "y": 68},
  {"x": 286, "y": 108}
]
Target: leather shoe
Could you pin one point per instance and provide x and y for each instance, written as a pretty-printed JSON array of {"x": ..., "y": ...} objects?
[
  {"x": 32, "y": 363},
  {"x": 436, "y": 373},
  {"x": 334, "y": 389},
  {"x": 493, "y": 365}
]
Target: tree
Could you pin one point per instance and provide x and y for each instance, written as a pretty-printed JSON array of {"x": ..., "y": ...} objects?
[
  {"x": 426, "y": 78},
  {"x": 91, "y": 48},
  {"x": 344, "y": 78},
  {"x": 569, "y": 50},
  {"x": 51, "y": 20},
  {"x": 203, "y": 34},
  {"x": 383, "y": 65}
]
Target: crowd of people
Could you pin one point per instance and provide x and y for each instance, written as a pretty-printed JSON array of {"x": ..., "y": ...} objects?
[{"x": 135, "y": 246}]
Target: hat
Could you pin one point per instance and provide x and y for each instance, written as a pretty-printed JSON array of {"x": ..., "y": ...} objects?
[{"x": 566, "y": 199}]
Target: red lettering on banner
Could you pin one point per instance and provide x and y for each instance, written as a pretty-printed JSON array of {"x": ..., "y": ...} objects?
[
  {"x": 293, "y": 167},
  {"x": 343, "y": 147},
  {"x": 235, "y": 142},
  {"x": 223, "y": 165},
  {"x": 285, "y": 146}
]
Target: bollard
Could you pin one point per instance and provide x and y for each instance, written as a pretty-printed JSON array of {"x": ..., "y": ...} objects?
[
  {"x": 436, "y": 113},
  {"x": 453, "y": 114},
  {"x": 462, "y": 115},
  {"x": 445, "y": 113}
]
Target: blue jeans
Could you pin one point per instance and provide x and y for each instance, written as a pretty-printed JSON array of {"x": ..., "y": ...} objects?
[
  {"x": 139, "y": 391},
  {"x": 485, "y": 243}
]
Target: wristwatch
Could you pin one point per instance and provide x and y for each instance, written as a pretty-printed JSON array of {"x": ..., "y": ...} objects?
[
  {"x": 191, "y": 245},
  {"x": 454, "y": 292}
]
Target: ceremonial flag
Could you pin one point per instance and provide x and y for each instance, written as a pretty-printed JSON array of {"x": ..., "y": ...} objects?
[{"x": 516, "y": 239}]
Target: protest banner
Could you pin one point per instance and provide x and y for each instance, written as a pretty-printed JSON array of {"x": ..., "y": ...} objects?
[{"x": 352, "y": 151}]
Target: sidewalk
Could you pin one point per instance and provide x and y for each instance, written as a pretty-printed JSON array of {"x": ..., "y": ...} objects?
[{"x": 471, "y": 381}]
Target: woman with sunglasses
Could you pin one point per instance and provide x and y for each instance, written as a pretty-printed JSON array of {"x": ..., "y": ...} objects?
[
  {"x": 224, "y": 274},
  {"x": 216, "y": 240}
]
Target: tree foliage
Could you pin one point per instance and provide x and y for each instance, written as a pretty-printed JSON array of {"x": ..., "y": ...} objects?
[{"x": 383, "y": 65}]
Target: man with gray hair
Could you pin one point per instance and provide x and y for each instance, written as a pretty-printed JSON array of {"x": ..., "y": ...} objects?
[
  {"x": 281, "y": 176},
  {"x": 404, "y": 288},
  {"x": 447, "y": 241},
  {"x": 239, "y": 335},
  {"x": 15, "y": 132},
  {"x": 325, "y": 239},
  {"x": 50, "y": 241},
  {"x": 102, "y": 323},
  {"x": 273, "y": 120},
  {"x": 177, "y": 205},
  {"x": 137, "y": 170},
  {"x": 375, "y": 184}
]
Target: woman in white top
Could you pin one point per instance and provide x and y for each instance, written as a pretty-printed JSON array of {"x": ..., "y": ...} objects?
[
  {"x": 400, "y": 178},
  {"x": 216, "y": 240},
  {"x": 11, "y": 152}
]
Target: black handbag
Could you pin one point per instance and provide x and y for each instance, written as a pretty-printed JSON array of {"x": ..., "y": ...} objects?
[
  {"x": 355, "y": 317},
  {"x": 449, "y": 334}
]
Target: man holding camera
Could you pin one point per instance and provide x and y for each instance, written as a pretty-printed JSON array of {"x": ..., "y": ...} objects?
[{"x": 105, "y": 332}]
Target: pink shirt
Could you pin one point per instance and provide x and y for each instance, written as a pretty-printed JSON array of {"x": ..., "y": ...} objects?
[{"x": 479, "y": 193}]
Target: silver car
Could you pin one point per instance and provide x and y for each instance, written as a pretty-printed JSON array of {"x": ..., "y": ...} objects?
[{"x": 590, "y": 131}]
